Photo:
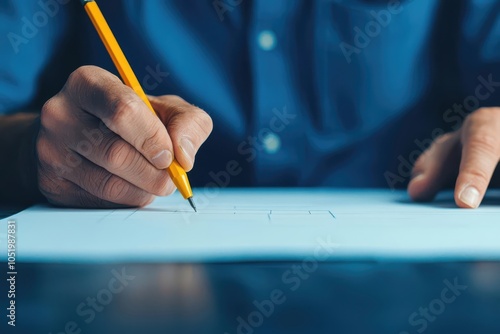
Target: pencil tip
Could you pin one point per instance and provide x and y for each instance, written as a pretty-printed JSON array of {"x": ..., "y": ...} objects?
[{"x": 191, "y": 202}]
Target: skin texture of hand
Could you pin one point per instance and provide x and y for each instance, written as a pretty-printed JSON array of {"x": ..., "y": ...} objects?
[
  {"x": 100, "y": 146},
  {"x": 468, "y": 157}
]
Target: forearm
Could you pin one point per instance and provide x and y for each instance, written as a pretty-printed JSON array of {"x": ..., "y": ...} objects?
[{"x": 18, "y": 166}]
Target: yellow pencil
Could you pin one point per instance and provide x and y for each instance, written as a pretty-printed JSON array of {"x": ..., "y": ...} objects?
[{"x": 176, "y": 172}]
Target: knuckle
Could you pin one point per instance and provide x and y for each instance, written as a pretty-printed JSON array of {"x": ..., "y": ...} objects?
[
  {"x": 79, "y": 73},
  {"x": 175, "y": 99},
  {"x": 117, "y": 156},
  {"x": 121, "y": 108},
  {"x": 113, "y": 188},
  {"x": 151, "y": 142},
  {"x": 485, "y": 143},
  {"x": 177, "y": 112},
  {"x": 477, "y": 174},
  {"x": 139, "y": 166},
  {"x": 82, "y": 77},
  {"x": 175, "y": 105},
  {"x": 85, "y": 78},
  {"x": 48, "y": 113}
]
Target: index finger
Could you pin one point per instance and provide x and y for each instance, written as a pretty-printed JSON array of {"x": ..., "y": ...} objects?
[
  {"x": 480, "y": 156},
  {"x": 103, "y": 95}
]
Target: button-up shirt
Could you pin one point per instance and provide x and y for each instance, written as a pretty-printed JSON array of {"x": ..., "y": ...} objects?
[{"x": 342, "y": 93}]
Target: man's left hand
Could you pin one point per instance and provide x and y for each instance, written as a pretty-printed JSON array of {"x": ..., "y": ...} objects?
[{"x": 467, "y": 157}]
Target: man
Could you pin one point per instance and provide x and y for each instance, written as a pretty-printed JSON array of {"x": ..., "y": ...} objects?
[{"x": 301, "y": 93}]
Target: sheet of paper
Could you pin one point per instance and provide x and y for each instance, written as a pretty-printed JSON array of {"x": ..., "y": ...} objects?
[{"x": 248, "y": 225}]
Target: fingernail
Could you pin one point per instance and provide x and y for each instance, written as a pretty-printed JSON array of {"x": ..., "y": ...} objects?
[
  {"x": 470, "y": 196},
  {"x": 187, "y": 148},
  {"x": 162, "y": 160}
]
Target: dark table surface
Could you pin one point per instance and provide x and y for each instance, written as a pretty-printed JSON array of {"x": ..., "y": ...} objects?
[
  {"x": 7, "y": 211},
  {"x": 386, "y": 297}
]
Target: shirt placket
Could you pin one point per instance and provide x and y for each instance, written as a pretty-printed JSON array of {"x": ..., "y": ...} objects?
[{"x": 276, "y": 134}]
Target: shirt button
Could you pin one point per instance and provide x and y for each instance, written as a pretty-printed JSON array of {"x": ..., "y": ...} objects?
[
  {"x": 272, "y": 143},
  {"x": 267, "y": 40}
]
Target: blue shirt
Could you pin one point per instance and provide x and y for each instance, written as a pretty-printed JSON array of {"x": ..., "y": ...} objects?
[{"x": 302, "y": 93}]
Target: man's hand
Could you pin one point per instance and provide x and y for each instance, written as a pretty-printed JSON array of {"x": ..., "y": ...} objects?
[
  {"x": 469, "y": 156},
  {"x": 100, "y": 146}
]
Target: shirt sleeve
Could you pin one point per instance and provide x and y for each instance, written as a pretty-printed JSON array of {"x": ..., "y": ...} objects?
[{"x": 30, "y": 31}]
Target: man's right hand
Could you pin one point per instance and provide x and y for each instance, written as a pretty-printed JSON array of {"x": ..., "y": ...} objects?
[{"x": 100, "y": 146}]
